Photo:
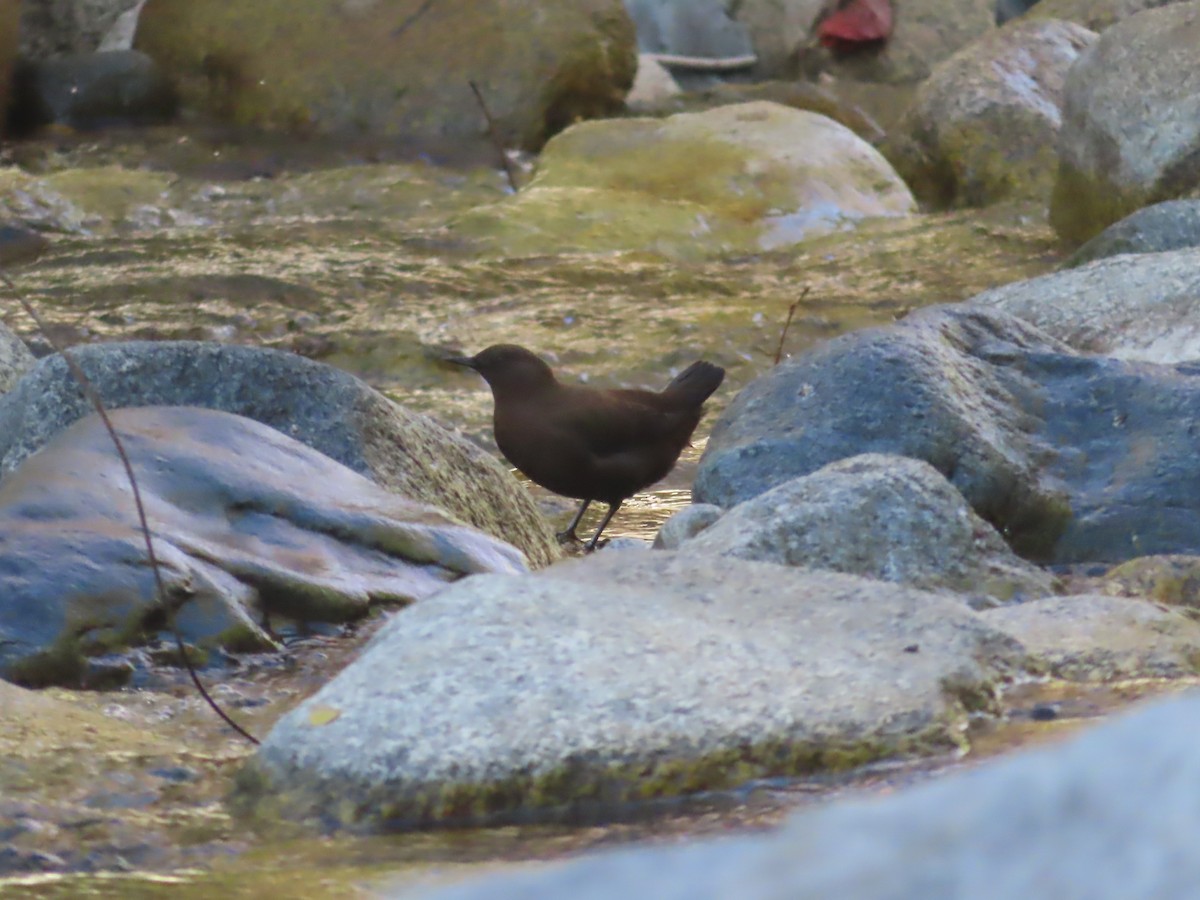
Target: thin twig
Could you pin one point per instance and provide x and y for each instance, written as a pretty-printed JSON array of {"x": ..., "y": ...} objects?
[
  {"x": 495, "y": 136},
  {"x": 93, "y": 397},
  {"x": 788, "y": 323},
  {"x": 412, "y": 20}
]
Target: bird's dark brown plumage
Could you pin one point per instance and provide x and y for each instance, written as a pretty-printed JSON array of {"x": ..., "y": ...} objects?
[{"x": 589, "y": 443}]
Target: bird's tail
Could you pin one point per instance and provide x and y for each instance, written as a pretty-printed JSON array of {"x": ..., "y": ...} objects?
[{"x": 697, "y": 382}]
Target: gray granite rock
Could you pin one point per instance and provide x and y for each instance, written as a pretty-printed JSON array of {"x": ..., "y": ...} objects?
[
  {"x": 246, "y": 522},
  {"x": 984, "y": 126},
  {"x": 397, "y": 69},
  {"x": 1072, "y": 458},
  {"x": 15, "y": 359},
  {"x": 1094, "y": 637},
  {"x": 687, "y": 523},
  {"x": 619, "y": 677},
  {"x": 886, "y": 517},
  {"x": 1170, "y": 225},
  {"x": 1113, "y": 814},
  {"x": 328, "y": 409},
  {"x": 1131, "y": 122},
  {"x": 1134, "y": 306}
]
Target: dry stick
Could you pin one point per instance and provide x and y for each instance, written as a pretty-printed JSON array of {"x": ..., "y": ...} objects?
[
  {"x": 788, "y": 323},
  {"x": 412, "y": 20},
  {"x": 90, "y": 392},
  {"x": 495, "y": 136}
]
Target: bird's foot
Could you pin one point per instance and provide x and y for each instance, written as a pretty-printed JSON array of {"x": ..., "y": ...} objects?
[{"x": 568, "y": 537}]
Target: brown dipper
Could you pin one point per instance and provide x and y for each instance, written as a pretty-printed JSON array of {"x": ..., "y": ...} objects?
[{"x": 589, "y": 443}]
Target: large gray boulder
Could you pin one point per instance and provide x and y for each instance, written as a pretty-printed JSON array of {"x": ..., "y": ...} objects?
[
  {"x": 245, "y": 521},
  {"x": 1110, "y": 815},
  {"x": 625, "y": 676},
  {"x": 1073, "y": 458},
  {"x": 740, "y": 178},
  {"x": 1132, "y": 306},
  {"x": 886, "y": 517},
  {"x": 328, "y": 409},
  {"x": 984, "y": 126},
  {"x": 1131, "y": 122},
  {"x": 401, "y": 68}
]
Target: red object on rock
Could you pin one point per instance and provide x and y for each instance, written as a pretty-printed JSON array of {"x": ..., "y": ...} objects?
[{"x": 856, "y": 22}]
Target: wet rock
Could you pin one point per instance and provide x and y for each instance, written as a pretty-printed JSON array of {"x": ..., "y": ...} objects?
[
  {"x": 55, "y": 27},
  {"x": 16, "y": 861},
  {"x": 687, "y": 523},
  {"x": 1133, "y": 306},
  {"x": 750, "y": 177},
  {"x": 1073, "y": 458},
  {"x": 92, "y": 90},
  {"x": 397, "y": 69},
  {"x": 621, "y": 677},
  {"x": 886, "y": 517},
  {"x": 1131, "y": 122},
  {"x": 327, "y": 409},
  {"x": 1093, "y": 637},
  {"x": 1048, "y": 823},
  {"x": 1171, "y": 225},
  {"x": 15, "y": 359},
  {"x": 246, "y": 522},
  {"x": 36, "y": 204},
  {"x": 984, "y": 126},
  {"x": 926, "y": 32}
]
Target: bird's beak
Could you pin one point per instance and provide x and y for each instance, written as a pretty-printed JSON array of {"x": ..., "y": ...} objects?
[{"x": 461, "y": 361}]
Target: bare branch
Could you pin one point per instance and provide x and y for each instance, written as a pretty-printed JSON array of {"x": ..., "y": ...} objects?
[
  {"x": 495, "y": 136},
  {"x": 93, "y": 397},
  {"x": 788, "y": 323}
]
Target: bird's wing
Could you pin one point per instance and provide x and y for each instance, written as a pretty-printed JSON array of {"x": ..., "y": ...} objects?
[{"x": 622, "y": 422}]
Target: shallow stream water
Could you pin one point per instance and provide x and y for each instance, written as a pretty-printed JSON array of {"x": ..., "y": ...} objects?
[{"x": 347, "y": 259}]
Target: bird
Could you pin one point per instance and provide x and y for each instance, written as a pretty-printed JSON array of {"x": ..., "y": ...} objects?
[{"x": 590, "y": 444}]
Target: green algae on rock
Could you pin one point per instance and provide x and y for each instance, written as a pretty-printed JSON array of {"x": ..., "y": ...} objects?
[
  {"x": 741, "y": 178},
  {"x": 984, "y": 126},
  {"x": 399, "y": 68}
]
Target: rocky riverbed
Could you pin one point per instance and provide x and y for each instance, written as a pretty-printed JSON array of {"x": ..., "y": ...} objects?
[{"x": 945, "y": 505}]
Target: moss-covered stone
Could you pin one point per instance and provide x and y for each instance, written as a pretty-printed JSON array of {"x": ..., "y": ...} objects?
[{"x": 399, "y": 68}]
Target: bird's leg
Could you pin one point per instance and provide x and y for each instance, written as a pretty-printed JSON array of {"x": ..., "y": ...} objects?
[
  {"x": 612, "y": 511},
  {"x": 569, "y": 534}
]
